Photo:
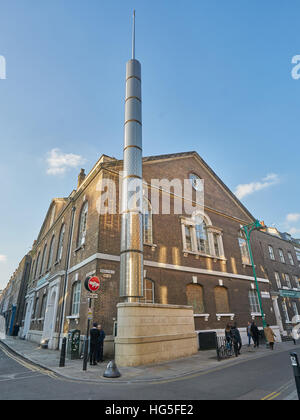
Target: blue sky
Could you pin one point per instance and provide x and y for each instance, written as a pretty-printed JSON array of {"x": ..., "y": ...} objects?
[{"x": 216, "y": 79}]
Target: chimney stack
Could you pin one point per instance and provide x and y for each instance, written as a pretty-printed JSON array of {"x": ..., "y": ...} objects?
[{"x": 81, "y": 178}]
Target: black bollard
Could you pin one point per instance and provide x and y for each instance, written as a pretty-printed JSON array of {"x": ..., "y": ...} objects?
[
  {"x": 63, "y": 353},
  {"x": 296, "y": 368}
]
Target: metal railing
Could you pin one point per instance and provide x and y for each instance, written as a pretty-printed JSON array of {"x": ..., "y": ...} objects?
[{"x": 224, "y": 348}]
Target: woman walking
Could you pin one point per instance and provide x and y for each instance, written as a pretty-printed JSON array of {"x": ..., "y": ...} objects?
[{"x": 270, "y": 336}]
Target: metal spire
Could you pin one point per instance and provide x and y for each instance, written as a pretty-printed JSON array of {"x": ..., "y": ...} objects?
[{"x": 133, "y": 37}]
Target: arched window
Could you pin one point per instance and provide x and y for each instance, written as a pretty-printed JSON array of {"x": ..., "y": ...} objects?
[
  {"x": 50, "y": 258},
  {"x": 82, "y": 224},
  {"x": 194, "y": 294},
  {"x": 202, "y": 238},
  {"x": 148, "y": 291},
  {"x": 76, "y": 294},
  {"x": 36, "y": 265},
  {"x": 43, "y": 260},
  {"x": 147, "y": 222},
  {"x": 221, "y": 299},
  {"x": 60, "y": 243}
]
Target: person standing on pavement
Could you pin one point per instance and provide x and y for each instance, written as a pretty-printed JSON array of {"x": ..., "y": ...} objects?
[
  {"x": 236, "y": 338},
  {"x": 249, "y": 334},
  {"x": 99, "y": 352},
  {"x": 270, "y": 336},
  {"x": 228, "y": 337},
  {"x": 94, "y": 337},
  {"x": 255, "y": 334},
  {"x": 16, "y": 331}
]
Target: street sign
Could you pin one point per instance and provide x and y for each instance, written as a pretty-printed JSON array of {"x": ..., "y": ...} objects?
[
  {"x": 92, "y": 284},
  {"x": 92, "y": 296},
  {"x": 90, "y": 314}
]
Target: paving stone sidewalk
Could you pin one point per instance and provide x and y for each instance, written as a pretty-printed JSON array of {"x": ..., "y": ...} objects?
[{"x": 201, "y": 362}]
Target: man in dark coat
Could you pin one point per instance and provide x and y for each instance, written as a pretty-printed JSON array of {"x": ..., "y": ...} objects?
[
  {"x": 236, "y": 339},
  {"x": 94, "y": 337},
  {"x": 100, "y": 344},
  {"x": 255, "y": 334}
]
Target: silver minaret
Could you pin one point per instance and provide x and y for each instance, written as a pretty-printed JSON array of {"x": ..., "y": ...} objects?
[{"x": 131, "y": 267}]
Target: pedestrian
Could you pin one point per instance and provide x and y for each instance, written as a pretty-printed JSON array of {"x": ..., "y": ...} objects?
[
  {"x": 270, "y": 336},
  {"x": 228, "y": 337},
  {"x": 249, "y": 334},
  {"x": 16, "y": 331},
  {"x": 94, "y": 337},
  {"x": 99, "y": 351},
  {"x": 255, "y": 334},
  {"x": 236, "y": 339}
]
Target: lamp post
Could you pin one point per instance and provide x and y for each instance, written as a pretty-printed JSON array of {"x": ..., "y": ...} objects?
[{"x": 248, "y": 229}]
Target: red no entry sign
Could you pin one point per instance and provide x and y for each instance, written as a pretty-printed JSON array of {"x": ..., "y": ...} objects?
[{"x": 92, "y": 284}]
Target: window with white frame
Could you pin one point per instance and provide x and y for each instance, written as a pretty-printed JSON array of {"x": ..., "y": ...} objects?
[
  {"x": 291, "y": 258},
  {"x": 254, "y": 301},
  {"x": 51, "y": 249},
  {"x": 297, "y": 281},
  {"x": 82, "y": 224},
  {"x": 297, "y": 250},
  {"x": 244, "y": 249},
  {"x": 36, "y": 265},
  {"x": 201, "y": 238},
  {"x": 43, "y": 260},
  {"x": 148, "y": 291},
  {"x": 277, "y": 278},
  {"x": 271, "y": 253},
  {"x": 76, "y": 294},
  {"x": 295, "y": 309},
  {"x": 288, "y": 281},
  {"x": 43, "y": 306},
  {"x": 285, "y": 312},
  {"x": 60, "y": 243},
  {"x": 281, "y": 256},
  {"x": 147, "y": 222}
]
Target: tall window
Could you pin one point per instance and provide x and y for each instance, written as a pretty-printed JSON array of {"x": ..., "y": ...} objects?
[
  {"x": 291, "y": 258},
  {"x": 60, "y": 243},
  {"x": 244, "y": 249},
  {"x": 254, "y": 302},
  {"x": 297, "y": 250},
  {"x": 295, "y": 308},
  {"x": 194, "y": 294},
  {"x": 76, "y": 294},
  {"x": 285, "y": 312},
  {"x": 288, "y": 281},
  {"x": 297, "y": 281},
  {"x": 43, "y": 306},
  {"x": 50, "y": 258},
  {"x": 43, "y": 260},
  {"x": 271, "y": 253},
  {"x": 148, "y": 292},
  {"x": 202, "y": 238},
  {"x": 216, "y": 237},
  {"x": 36, "y": 305},
  {"x": 82, "y": 224},
  {"x": 36, "y": 265},
  {"x": 147, "y": 222},
  {"x": 188, "y": 238},
  {"x": 277, "y": 278},
  {"x": 221, "y": 300},
  {"x": 281, "y": 256}
]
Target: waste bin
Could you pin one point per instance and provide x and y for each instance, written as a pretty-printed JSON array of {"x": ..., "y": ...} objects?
[
  {"x": 207, "y": 340},
  {"x": 74, "y": 344}
]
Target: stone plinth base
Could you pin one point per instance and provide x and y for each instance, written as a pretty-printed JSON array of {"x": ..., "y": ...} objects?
[{"x": 152, "y": 333}]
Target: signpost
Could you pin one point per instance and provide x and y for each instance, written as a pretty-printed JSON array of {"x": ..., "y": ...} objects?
[{"x": 92, "y": 285}]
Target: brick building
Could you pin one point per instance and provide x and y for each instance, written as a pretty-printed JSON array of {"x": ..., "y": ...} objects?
[
  {"x": 204, "y": 264},
  {"x": 281, "y": 254}
]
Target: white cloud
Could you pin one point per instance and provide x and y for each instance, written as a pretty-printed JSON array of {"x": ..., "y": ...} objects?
[
  {"x": 293, "y": 217},
  {"x": 3, "y": 258},
  {"x": 59, "y": 162},
  {"x": 242, "y": 190}
]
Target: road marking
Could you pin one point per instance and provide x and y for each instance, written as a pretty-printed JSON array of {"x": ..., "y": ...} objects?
[
  {"x": 278, "y": 392},
  {"x": 27, "y": 365}
]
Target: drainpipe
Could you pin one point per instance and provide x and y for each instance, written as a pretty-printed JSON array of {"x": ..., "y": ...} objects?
[{"x": 63, "y": 310}]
